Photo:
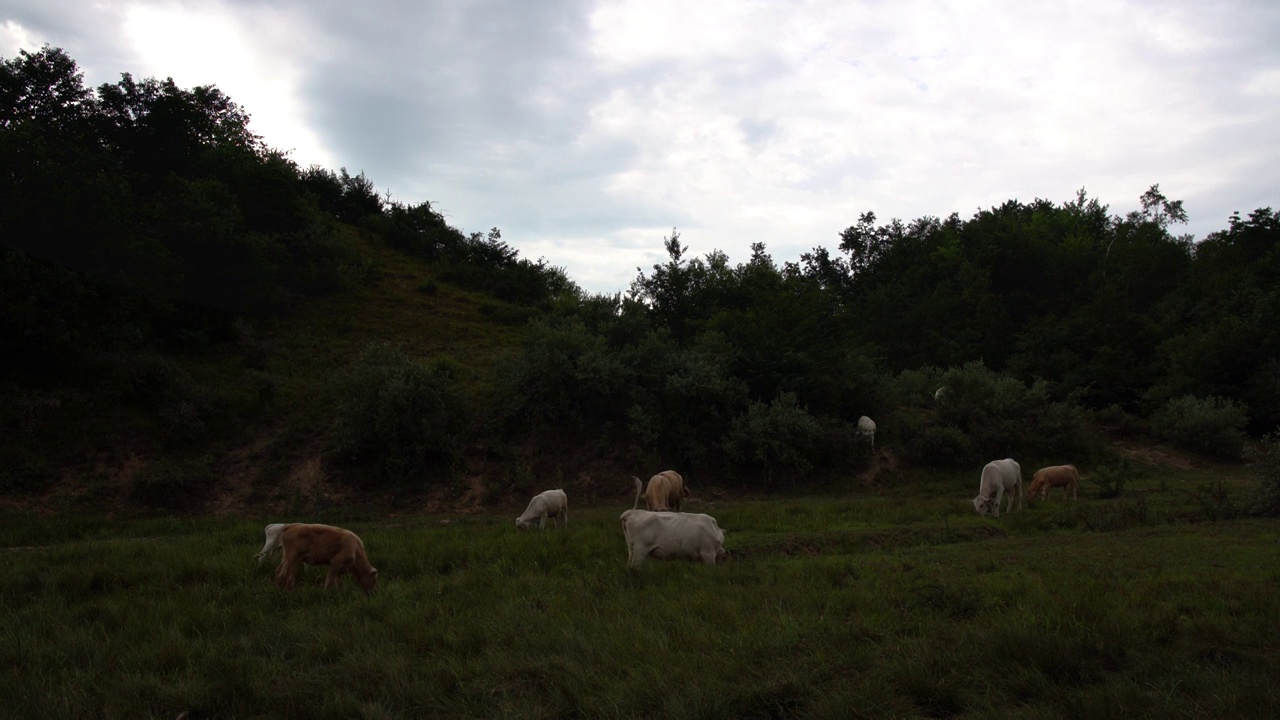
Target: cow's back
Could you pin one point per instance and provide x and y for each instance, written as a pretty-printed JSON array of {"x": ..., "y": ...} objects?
[{"x": 664, "y": 491}]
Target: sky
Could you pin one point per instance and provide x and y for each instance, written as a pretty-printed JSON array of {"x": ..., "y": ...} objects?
[{"x": 587, "y": 131}]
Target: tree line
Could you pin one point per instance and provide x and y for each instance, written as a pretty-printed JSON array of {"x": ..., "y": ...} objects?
[{"x": 138, "y": 215}]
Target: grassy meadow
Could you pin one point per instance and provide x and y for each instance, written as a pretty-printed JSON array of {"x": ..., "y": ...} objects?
[{"x": 887, "y": 602}]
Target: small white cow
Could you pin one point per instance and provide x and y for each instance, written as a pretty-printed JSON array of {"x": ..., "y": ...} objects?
[
  {"x": 551, "y": 503},
  {"x": 867, "y": 428},
  {"x": 940, "y": 393},
  {"x": 999, "y": 477},
  {"x": 670, "y": 535}
]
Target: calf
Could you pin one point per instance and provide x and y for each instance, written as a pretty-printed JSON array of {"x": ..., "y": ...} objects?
[
  {"x": 665, "y": 491},
  {"x": 551, "y": 503},
  {"x": 310, "y": 544},
  {"x": 1063, "y": 476},
  {"x": 998, "y": 477},
  {"x": 670, "y": 535}
]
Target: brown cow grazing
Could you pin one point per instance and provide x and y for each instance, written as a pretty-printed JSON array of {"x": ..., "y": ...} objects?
[
  {"x": 665, "y": 491},
  {"x": 1063, "y": 476},
  {"x": 340, "y": 549}
]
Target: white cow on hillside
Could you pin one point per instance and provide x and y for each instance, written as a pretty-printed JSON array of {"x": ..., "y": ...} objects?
[
  {"x": 549, "y": 504},
  {"x": 867, "y": 428},
  {"x": 999, "y": 477},
  {"x": 670, "y": 535}
]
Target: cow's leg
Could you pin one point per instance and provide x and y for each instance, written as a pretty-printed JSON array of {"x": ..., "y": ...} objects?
[
  {"x": 284, "y": 570},
  {"x": 635, "y": 558},
  {"x": 999, "y": 497},
  {"x": 287, "y": 573}
]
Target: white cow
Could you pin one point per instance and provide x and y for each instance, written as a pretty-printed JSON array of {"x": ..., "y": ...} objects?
[
  {"x": 273, "y": 540},
  {"x": 551, "y": 503},
  {"x": 670, "y": 535},
  {"x": 999, "y": 477},
  {"x": 867, "y": 428}
]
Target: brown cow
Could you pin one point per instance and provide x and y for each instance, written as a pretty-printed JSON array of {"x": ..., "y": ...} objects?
[
  {"x": 665, "y": 491},
  {"x": 340, "y": 549},
  {"x": 1063, "y": 476}
]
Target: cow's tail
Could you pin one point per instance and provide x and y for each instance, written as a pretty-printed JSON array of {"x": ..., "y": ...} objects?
[
  {"x": 273, "y": 533},
  {"x": 639, "y": 486}
]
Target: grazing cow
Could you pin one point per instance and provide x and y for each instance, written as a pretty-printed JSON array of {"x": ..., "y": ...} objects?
[
  {"x": 999, "y": 477},
  {"x": 940, "y": 393},
  {"x": 340, "y": 549},
  {"x": 665, "y": 491},
  {"x": 551, "y": 503},
  {"x": 1063, "y": 476},
  {"x": 273, "y": 540},
  {"x": 867, "y": 428},
  {"x": 670, "y": 535}
]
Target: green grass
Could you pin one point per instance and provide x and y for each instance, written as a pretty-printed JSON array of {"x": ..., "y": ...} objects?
[{"x": 903, "y": 603}]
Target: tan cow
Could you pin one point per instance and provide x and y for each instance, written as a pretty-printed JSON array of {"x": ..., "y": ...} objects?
[
  {"x": 665, "y": 491},
  {"x": 1063, "y": 476},
  {"x": 340, "y": 549}
]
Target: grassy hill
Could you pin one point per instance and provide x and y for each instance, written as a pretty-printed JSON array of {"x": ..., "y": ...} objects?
[{"x": 278, "y": 379}]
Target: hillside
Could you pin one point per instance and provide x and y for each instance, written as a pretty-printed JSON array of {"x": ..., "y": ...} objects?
[{"x": 194, "y": 323}]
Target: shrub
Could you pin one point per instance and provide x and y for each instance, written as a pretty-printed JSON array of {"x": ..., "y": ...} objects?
[
  {"x": 778, "y": 438},
  {"x": 985, "y": 416},
  {"x": 1119, "y": 421},
  {"x": 1265, "y": 464},
  {"x": 685, "y": 401},
  {"x": 399, "y": 414},
  {"x": 932, "y": 442},
  {"x": 1212, "y": 425},
  {"x": 565, "y": 378},
  {"x": 172, "y": 485},
  {"x": 1111, "y": 479}
]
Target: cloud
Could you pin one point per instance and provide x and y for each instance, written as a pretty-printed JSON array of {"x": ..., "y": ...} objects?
[{"x": 587, "y": 130}]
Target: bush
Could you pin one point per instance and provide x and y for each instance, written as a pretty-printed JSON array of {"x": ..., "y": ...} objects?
[
  {"x": 778, "y": 438},
  {"x": 1212, "y": 425},
  {"x": 984, "y": 416},
  {"x": 686, "y": 400},
  {"x": 1265, "y": 464},
  {"x": 931, "y": 442},
  {"x": 1111, "y": 479},
  {"x": 399, "y": 414},
  {"x": 172, "y": 485},
  {"x": 565, "y": 378}
]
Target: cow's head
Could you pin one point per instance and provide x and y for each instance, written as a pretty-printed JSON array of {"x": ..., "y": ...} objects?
[
  {"x": 368, "y": 580},
  {"x": 523, "y": 524},
  {"x": 982, "y": 505}
]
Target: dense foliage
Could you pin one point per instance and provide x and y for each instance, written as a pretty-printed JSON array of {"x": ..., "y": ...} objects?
[
  {"x": 143, "y": 224},
  {"x": 399, "y": 415}
]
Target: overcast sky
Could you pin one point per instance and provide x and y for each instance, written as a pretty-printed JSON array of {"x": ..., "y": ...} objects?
[{"x": 587, "y": 130}]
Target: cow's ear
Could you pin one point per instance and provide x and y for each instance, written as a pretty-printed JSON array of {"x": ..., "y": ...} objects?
[{"x": 375, "y": 571}]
